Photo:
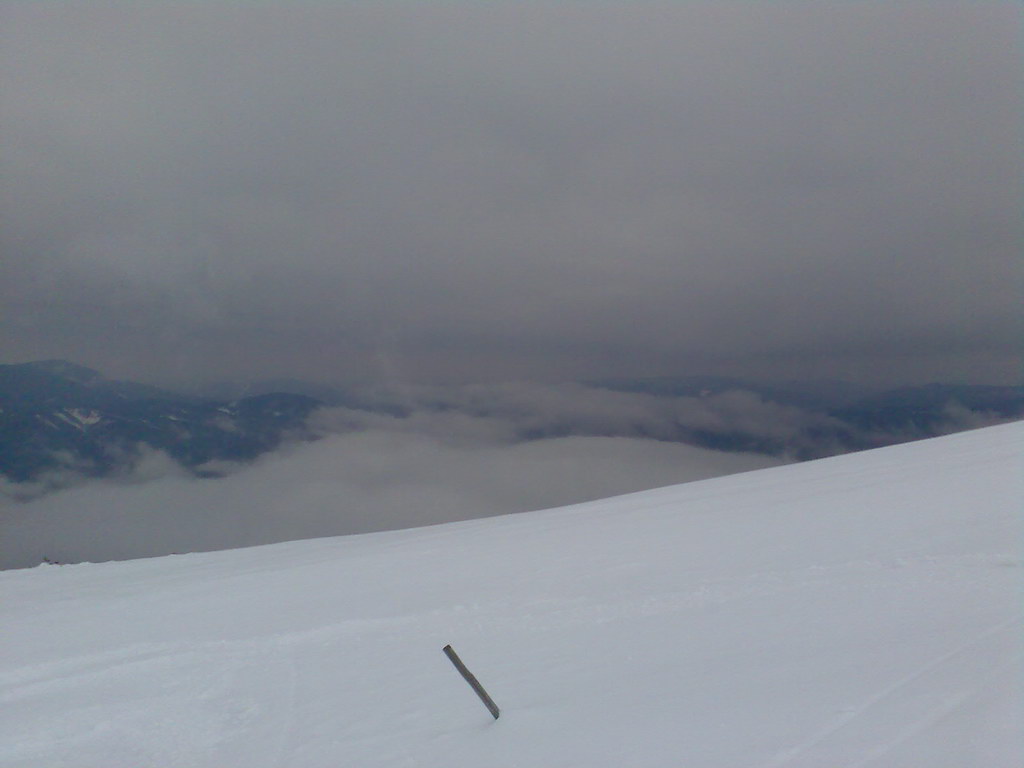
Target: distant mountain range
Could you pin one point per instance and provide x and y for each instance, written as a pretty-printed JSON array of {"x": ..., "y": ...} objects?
[
  {"x": 56, "y": 415},
  {"x": 815, "y": 395},
  {"x": 927, "y": 408},
  {"x": 852, "y": 417}
]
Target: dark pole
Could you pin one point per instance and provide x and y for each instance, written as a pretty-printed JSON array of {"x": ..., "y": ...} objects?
[{"x": 473, "y": 682}]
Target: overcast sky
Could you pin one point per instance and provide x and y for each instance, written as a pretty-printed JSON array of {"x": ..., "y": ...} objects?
[{"x": 431, "y": 191}]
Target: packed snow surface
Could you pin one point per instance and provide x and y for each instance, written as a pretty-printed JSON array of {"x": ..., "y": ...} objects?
[{"x": 863, "y": 610}]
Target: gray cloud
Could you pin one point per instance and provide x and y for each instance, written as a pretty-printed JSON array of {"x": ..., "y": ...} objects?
[
  {"x": 498, "y": 416},
  {"x": 523, "y": 411},
  {"x": 462, "y": 192}
]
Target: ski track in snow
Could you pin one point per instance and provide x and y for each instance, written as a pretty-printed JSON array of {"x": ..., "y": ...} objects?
[
  {"x": 793, "y": 756},
  {"x": 934, "y": 716}
]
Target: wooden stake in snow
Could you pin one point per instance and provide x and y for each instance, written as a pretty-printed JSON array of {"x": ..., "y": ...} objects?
[{"x": 473, "y": 682}]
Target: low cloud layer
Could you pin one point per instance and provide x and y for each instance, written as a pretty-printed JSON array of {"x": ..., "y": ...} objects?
[
  {"x": 372, "y": 479},
  {"x": 420, "y": 455},
  {"x": 520, "y": 411}
]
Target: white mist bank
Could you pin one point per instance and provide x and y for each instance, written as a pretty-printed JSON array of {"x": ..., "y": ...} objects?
[
  {"x": 859, "y": 611},
  {"x": 372, "y": 480}
]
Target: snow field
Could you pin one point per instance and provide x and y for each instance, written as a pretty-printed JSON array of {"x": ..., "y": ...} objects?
[{"x": 863, "y": 610}]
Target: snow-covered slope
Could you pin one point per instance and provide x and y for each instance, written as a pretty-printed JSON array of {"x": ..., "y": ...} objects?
[{"x": 857, "y": 611}]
